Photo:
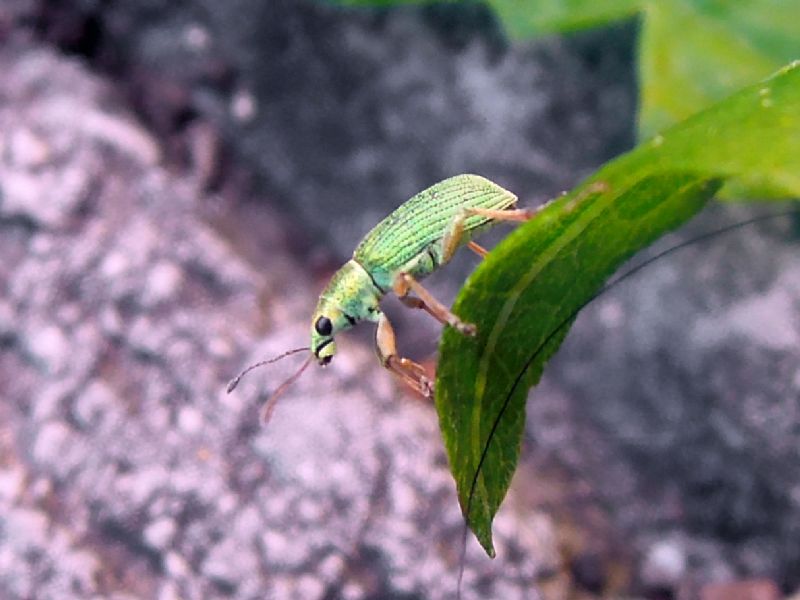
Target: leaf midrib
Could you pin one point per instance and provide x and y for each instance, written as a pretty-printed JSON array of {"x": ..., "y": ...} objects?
[{"x": 568, "y": 235}]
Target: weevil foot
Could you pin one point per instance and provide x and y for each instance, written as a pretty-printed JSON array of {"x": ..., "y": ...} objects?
[
  {"x": 466, "y": 328},
  {"x": 426, "y": 387}
]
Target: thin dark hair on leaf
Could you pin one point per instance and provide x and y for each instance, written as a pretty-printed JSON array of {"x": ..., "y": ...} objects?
[{"x": 555, "y": 332}]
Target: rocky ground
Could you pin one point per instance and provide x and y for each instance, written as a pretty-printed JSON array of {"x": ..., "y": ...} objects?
[{"x": 176, "y": 180}]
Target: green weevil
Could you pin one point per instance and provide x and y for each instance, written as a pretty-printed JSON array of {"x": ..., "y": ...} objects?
[{"x": 412, "y": 242}]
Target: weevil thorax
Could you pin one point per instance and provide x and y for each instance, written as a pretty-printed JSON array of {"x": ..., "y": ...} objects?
[{"x": 351, "y": 296}]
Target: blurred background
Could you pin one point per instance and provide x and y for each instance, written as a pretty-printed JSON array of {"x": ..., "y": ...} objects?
[{"x": 177, "y": 182}]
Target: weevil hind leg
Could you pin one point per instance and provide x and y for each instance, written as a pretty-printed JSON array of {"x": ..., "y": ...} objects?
[
  {"x": 477, "y": 249},
  {"x": 454, "y": 235},
  {"x": 404, "y": 283},
  {"x": 515, "y": 215},
  {"x": 411, "y": 373}
]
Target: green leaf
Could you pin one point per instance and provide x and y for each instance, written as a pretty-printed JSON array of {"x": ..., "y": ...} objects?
[
  {"x": 524, "y": 19},
  {"x": 691, "y": 52},
  {"x": 695, "y": 52},
  {"x": 537, "y": 279}
]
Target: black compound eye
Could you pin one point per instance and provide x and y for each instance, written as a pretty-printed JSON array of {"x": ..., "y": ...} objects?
[{"x": 324, "y": 326}]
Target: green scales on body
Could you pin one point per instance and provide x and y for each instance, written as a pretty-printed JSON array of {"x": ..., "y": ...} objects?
[{"x": 408, "y": 245}]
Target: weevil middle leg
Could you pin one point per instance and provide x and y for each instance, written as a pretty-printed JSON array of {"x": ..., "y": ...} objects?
[
  {"x": 404, "y": 282},
  {"x": 452, "y": 239}
]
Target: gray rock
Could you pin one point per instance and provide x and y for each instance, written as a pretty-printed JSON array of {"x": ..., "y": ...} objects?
[
  {"x": 347, "y": 112},
  {"x": 344, "y": 113},
  {"x": 127, "y": 470},
  {"x": 673, "y": 402}
]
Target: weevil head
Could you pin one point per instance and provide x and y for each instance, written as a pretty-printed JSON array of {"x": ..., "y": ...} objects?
[{"x": 349, "y": 298}]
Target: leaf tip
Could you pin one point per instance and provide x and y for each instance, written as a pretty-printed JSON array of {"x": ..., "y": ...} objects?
[{"x": 485, "y": 540}]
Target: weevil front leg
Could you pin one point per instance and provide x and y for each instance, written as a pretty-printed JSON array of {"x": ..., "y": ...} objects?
[
  {"x": 404, "y": 283},
  {"x": 411, "y": 373}
]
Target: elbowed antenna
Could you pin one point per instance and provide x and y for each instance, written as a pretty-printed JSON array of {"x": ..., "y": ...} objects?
[
  {"x": 235, "y": 381},
  {"x": 269, "y": 405}
]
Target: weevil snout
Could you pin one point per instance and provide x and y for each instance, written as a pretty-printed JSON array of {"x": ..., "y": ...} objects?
[{"x": 325, "y": 351}]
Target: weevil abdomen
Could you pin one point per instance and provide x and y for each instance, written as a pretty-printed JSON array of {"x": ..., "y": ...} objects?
[{"x": 411, "y": 237}]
